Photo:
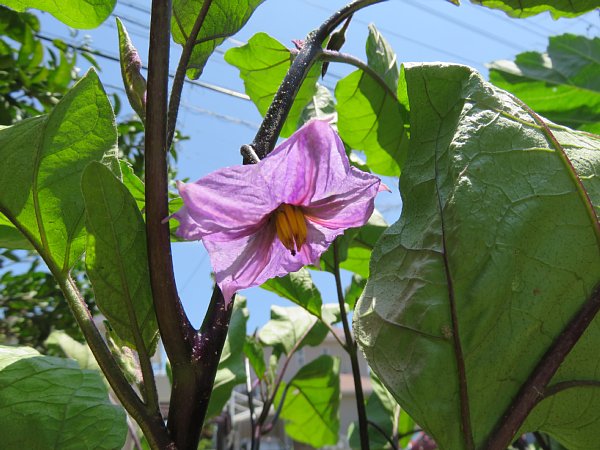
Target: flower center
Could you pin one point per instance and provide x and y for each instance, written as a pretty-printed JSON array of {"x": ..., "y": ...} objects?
[{"x": 291, "y": 227}]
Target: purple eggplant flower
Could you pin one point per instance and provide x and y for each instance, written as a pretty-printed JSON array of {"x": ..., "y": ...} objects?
[{"x": 271, "y": 218}]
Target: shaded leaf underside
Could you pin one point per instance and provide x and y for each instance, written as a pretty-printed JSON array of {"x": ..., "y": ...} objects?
[{"x": 494, "y": 228}]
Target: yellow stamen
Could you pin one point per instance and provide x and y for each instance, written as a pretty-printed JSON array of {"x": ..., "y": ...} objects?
[{"x": 290, "y": 225}]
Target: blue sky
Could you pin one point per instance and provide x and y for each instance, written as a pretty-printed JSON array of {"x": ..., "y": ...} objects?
[{"x": 219, "y": 123}]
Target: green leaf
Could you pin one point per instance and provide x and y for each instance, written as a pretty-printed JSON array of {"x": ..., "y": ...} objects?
[
  {"x": 370, "y": 115},
  {"x": 42, "y": 161},
  {"x": 354, "y": 291},
  {"x": 290, "y": 325},
  {"x": 561, "y": 84},
  {"x": 321, "y": 107},
  {"x": 311, "y": 404},
  {"x": 256, "y": 356},
  {"x": 11, "y": 237},
  {"x": 299, "y": 288},
  {"x": 224, "y": 18},
  {"x": 116, "y": 258},
  {"x": 494, "y": 227},
  {"x": 73, "y": 349},
  {"x": 50, "y": 403},
  {"x": 133, "y": 184},
  {"x": 382, "y": 409},
  {"x": 526, "y": 8},
  {"x": 231, "y": 370},
  {"x": 356, "y": 245},
  {"x": 75, "y": 13},
  {"x": 263, "y": 62}
]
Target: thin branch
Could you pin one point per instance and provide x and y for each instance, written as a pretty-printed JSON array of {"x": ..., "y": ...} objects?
[
  {"x": 267, "y": 135},
  {"x": 267, "y": 405},
  {"x": 148, "y": 419},
  {"x": 179, "y": 79},
  {"x": 335, "y": 56},
  {"x": 352, "y": 352},
  {"x": 532, "y": 391},
  {"x": 564, "y": 385},
  {"x": 384, "y": 434}
]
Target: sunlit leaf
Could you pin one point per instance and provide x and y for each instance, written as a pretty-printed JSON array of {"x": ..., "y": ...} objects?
[
  {"x": 299, "y": 288},
  {"x": 526, "y": 8},
  {"x": 116, "y": 258},
  {"x": 370, "y": 116},
  {"x": 74, "y": 13},
  {"x": 290, "y": 327},
  {"x": 494, "y": 228},
  {"x": 263, "y": 62},
  {"x": 42, "y": 162},
  {"x": 224, "y": 18},
  {"x": 311, "y": 405},
  {"x": 562, "y": 84}
]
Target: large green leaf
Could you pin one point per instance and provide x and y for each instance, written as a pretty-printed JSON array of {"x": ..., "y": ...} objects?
[
  {"x": 116, "y": 258},
  {"x": 311, "y": 404},
  {"x": 526, "y": 8},
  {"x": 291, "y": 325},
  {"x": 42, "y": 161},
  {"x": 494, "y": 228},
  {"x": 50, "y": 403},
  {"x": 370, "y": 116},
  {"x": 224, "y": 18},
  {"x": 263, "y": 62},
  {"x": 231, "y": 370},
  {"x": 562, "y": 84},
  {"x": 299, "y": 288},
  {"x": 75, "y": 13}
]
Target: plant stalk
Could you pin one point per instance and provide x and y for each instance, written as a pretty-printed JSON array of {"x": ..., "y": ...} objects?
[
  {"x": 363, "y": 424},
  {"x": 271, "y": 126},
  {"x": 179, "y": 79}
]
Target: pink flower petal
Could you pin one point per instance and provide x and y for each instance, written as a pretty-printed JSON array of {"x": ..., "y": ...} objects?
[
  {"x": 309, "y": 166},
  {"x": 227, "y": 204},
  {"x": 348, "y": 209}
]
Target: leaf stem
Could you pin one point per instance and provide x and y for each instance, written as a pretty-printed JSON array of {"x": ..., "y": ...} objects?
[
  {"x": 335, "y": 56},
  {"x": 351, "y": 347},
  {"x": 381, "y": 431},
  {"x": 267, "y": 135},
  {"x": 535, "y": 388},
  {"x": 179, "y": 79},
  {"x": 147, "y": 418}
]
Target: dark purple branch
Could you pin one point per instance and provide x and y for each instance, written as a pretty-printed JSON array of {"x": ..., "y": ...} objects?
[
  {"x": 382, "y": 432},
  {"x": 267, "y": 135},
  {"x": 193, "y": 381},
  {"x": 534, "y": 389},
  {"x": 184, "y": 60}
]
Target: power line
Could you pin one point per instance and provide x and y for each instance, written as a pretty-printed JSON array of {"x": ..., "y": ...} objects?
[
  {"x": 465, "y": 25},
  {"x": 404, "y": 37},
  {"x": 202, "y": 84}
]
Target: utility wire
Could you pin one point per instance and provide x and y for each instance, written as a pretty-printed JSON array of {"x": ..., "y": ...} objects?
[
  {"x": 403, "y": 37},
  {"x": 202, "y": 84},
  {"x": 465, "y": 25}
]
